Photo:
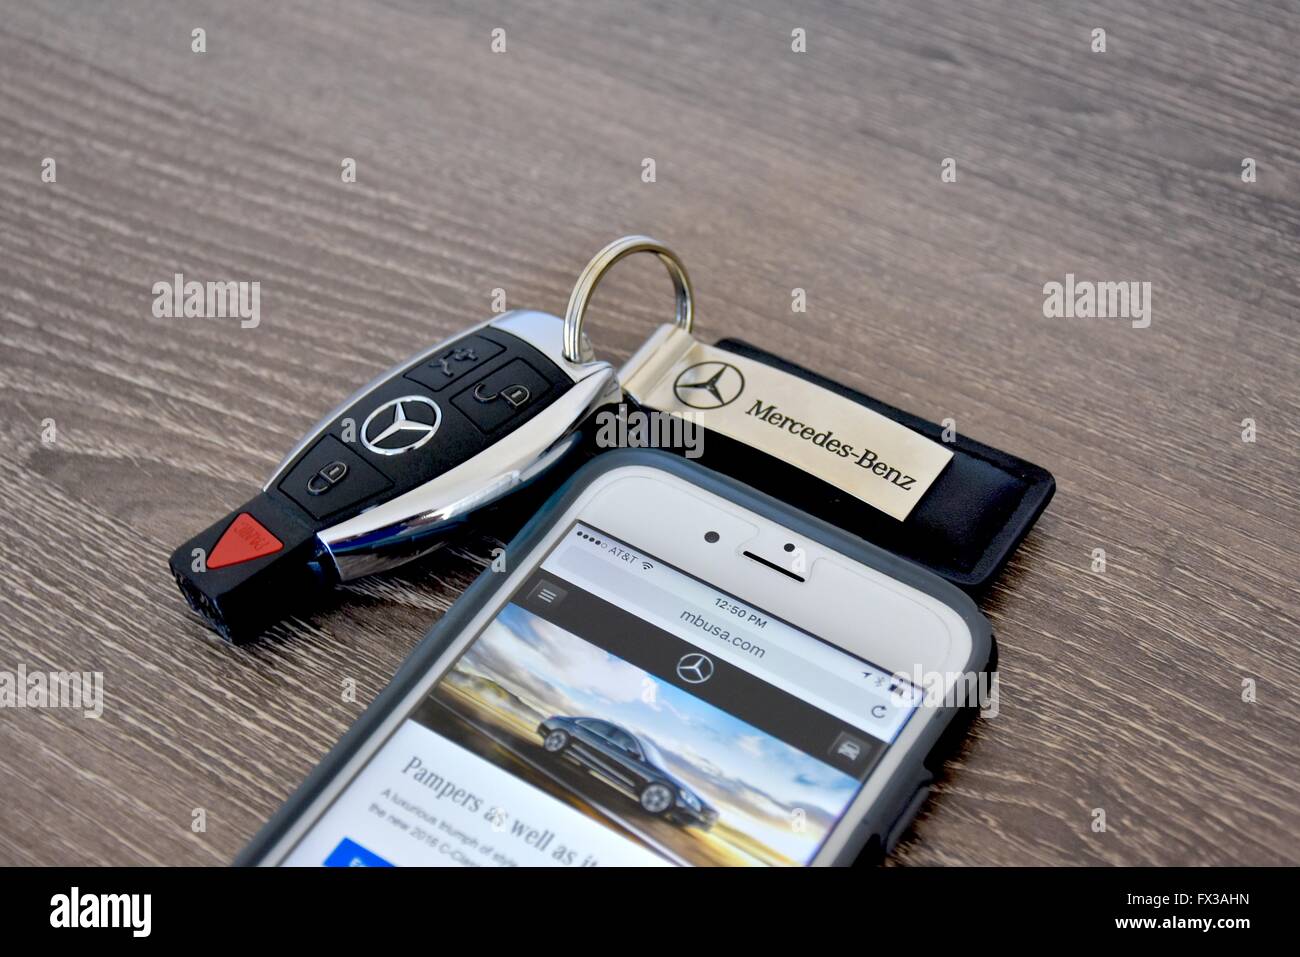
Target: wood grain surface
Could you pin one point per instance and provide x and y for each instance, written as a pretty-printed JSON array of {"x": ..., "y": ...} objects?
[{"x": 1121, "y": 690}]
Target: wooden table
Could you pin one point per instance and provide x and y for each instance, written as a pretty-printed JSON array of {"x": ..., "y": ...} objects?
[{"x": 820, "y": 170}]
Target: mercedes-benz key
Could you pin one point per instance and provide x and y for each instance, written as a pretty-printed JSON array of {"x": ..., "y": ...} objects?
[{"x": 381, "y": 478}]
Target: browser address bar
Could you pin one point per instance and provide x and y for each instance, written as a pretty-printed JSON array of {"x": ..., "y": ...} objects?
[{"x": 778, "y": 654}]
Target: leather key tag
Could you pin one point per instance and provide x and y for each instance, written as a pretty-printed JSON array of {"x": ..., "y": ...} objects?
[{"x": 856, "y": 449}]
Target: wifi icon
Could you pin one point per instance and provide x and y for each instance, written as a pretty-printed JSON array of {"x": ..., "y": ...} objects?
[{"x": 646, "y": 565}]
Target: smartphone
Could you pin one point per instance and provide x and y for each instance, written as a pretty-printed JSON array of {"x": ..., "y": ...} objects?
[{"x": 670, "y": 669}]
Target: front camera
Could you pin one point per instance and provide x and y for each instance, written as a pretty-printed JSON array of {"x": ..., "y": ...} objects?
[{"x": 711, "y": 537}]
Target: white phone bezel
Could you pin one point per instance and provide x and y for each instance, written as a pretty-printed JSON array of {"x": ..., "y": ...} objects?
[{"x": 880, "y": 619}]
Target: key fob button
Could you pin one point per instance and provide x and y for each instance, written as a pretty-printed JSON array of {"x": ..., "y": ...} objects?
[
  {"x": 514, "y": 395},
  {"x": 499, "y": 397},
  {"x": 452, "y": 364},
  {"x": 327, "y": 478},
  {"x": 330, "y": 478}
]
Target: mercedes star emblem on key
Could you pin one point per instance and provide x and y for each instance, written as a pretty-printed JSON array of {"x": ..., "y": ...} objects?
[
  {"x": 709, "y": 385},
  {"x": 397, "y": 428},
  {"x": 695, "y": 668}
]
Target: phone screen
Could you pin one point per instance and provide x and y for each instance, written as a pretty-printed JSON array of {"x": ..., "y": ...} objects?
[{"x": 618, "y": 711}]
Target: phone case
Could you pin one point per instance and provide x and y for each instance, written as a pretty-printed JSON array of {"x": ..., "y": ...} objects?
[{"x": 873, "y": 837}]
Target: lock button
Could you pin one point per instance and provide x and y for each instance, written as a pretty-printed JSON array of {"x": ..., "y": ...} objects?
[
  {"x": 327, "y": 478},
  {"x": 331, "y": 477},
  {"x": 498, "y": 398}
]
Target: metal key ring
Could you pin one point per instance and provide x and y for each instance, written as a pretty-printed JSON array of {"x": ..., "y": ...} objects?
[{"x": 600, "y": 264}]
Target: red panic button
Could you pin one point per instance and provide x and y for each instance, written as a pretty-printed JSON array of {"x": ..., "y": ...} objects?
[{"x": 243, "y": 541}]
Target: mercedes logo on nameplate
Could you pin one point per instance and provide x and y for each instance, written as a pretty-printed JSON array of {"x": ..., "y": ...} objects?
[
  {"x": 709, "y": 385},
  {"x": 695, "y": 668},
  {"x": 401, "y": 425}
]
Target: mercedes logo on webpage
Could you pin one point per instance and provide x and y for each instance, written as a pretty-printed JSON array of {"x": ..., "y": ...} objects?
[{"x": 695, "y": 668}]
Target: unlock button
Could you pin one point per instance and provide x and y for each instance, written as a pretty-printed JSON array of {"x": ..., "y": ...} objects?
[
  {"x": 510, "y": 391},
  {"x": 513, "y": 395}
]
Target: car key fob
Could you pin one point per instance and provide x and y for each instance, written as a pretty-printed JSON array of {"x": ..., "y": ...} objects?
[{"x": 382, "y": 478}]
